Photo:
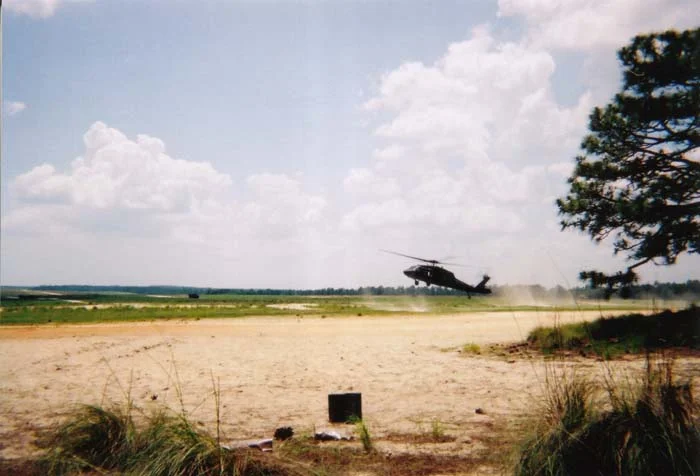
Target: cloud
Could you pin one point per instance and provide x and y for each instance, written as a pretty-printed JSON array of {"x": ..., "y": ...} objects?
[
  {"x": 38, "y": 9},
  {"x": 583, "y": 25},
  {"x": 12, "y": 108},
  {"x": 477, "y": 101},
  {"x": 116, "y": 172},
  {"x": 131, "y": 196},
  {"x": 472, "y": 151},
  {"x": 33, "y": 8},
  {"x": 365, "y": 183},
  {"x": 280, "y": 209},
  {"x": 477, "y": 148},
  {"x": 476, "y": 128}
]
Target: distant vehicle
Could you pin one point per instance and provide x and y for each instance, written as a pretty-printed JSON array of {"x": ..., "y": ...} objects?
[{"x": 431, "y": 273}]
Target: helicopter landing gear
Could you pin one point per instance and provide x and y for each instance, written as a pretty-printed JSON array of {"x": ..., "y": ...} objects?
[
  {"x": 417, "y": 282},
  {"x": 427, "y": 284}
]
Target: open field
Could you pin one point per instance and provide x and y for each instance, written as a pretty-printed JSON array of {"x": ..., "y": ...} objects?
[
  {"x": 44, "y": 307},
  {"x": 277, "y": 370}
]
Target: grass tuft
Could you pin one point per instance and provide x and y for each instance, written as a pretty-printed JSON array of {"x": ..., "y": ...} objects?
[
  {"x": 93, "y": 438},
  {"x": 363, "y": 433},
  {"x": 107, "y": 441},
  {"x": 651, "y": 431},
  {"x": 437, "y": 431},
  {"x": 471, "y": 348},
  {"x": 609, "y": 337}
]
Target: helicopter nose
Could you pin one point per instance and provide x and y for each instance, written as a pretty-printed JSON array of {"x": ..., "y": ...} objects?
[{"x": 410, "y": 273}]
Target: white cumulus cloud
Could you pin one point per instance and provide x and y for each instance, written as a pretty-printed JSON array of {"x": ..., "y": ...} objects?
[
  {"x": 131, "y": 194},
  {"x": 117, "y": 172},
  {"x": 33, "y": 8},
  {"x": 37, "y": 8},
  {"x": 471, "y": 154},
  {"x": 280, "y": 208},
  {"x": 476, "y": 127},
  {"x": 585, "y": 24},
  {"x": 14, "y": 107}
]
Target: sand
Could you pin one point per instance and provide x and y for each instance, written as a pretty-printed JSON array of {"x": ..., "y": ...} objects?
[{"x": 278, "y": 371}]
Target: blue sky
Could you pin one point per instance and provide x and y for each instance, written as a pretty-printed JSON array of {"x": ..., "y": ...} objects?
[{"x": 283, "y": 143}]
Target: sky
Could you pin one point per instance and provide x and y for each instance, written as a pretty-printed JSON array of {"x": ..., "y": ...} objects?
[{"x": 285, "y": 143}]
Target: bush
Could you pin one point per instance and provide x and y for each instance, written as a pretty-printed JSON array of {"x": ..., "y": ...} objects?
[
  {"x": 93, "y": 438},
  {"x": 106, "y": 441},
  {"x": 654, "y": 431},
  {"x": 633, "y": 333}
]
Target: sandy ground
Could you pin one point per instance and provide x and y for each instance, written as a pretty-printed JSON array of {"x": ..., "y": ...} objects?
[{"x": 278, "y": 371}]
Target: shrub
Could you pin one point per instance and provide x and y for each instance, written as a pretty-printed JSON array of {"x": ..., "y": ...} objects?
[
  {"x": 93, "y": 437},
  {"x": 614, "y": 335},
  {"x": 363, "y": 432},
  {"x": 437, "y": 431},
  {"x": 471, "y": 348},
  {"x": 106, "y": 441},
  {"x": 654, "y": 431}
]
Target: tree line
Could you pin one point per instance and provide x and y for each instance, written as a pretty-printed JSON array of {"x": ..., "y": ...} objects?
[{"x": 688, "y": 290}]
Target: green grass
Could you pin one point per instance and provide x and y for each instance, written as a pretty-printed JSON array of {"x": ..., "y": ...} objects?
[
  {"x": 108, "y": 441},
  {"x": 651, "y": 430},
  {"x": 93, "y": 438},
  {"x": 437, "y": 431},
  {"x": 363, "y": 433},
  {"x": 471, "y": 348},
  {"x": 632, "y": 333},
  {"x": 113, "y": 310},
  {"x": 323, "y": 459},
  {"x": 97, "y": 307},
  {"x": 97, "y": 440}
]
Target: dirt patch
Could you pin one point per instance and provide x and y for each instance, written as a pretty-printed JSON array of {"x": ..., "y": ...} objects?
[
  {"x": 295, "y": 306},
  {"x": 278, "y": 371}
]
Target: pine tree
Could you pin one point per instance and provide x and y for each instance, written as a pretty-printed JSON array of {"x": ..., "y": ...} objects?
[{"x": 638, "y": 180}]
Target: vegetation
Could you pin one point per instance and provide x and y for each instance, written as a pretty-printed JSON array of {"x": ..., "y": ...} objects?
[
  {"x": 363, "y": 433},
  {"x": 107, "y": 440},
  {"x": 651, "y": 430},
  {"x": 632, "y": 333},
  {"x": 334, "y": 459},
  {"x": 95, "y": 440},
  {"x": 690, "y": 290},
  {"x": 72, "y": 313},
  {"x": 437, "y": 432},
  {"x": 639, "y": 177},
  {"x": 48, "y": 294},
  {"x": 37, "y": 307},
  {"x": 471, "y": 348}
]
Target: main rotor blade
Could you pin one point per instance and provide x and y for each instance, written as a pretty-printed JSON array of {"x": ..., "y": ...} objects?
[
  {"x": 432, "y": 261},
  {"x": 459, "y": 265},
  {"x": 448, "y": 260}
]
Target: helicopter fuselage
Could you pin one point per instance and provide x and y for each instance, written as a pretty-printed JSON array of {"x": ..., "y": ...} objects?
[{"x": 433, "y": 274}]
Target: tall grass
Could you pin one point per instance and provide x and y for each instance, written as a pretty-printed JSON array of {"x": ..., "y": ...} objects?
[
  {"x": 652, "y": 429},
  {"x": 130, "y": 307},
  {"x": 165, "y": 442},
  {"x": 630, "y": 333},
  {"x": 93, "y": 438},
  {"x": 363, "y": 433},
  {"x": 107, "y": 441}
]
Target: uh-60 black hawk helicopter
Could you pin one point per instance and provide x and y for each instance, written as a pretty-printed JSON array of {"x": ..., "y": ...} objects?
[{"x": 431, "y": 273}]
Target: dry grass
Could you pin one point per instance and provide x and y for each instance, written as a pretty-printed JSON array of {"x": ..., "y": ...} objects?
[
  {"x": 650, "y": 428},
  {"x": 348, "y": 458},
  {"x": 107, "y": 440}
]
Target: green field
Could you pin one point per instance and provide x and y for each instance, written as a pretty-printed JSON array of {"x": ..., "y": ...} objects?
[{"x": 56, "y": 307}]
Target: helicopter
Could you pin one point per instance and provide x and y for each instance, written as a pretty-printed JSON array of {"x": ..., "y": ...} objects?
[{"x": 431, "y": 273}]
